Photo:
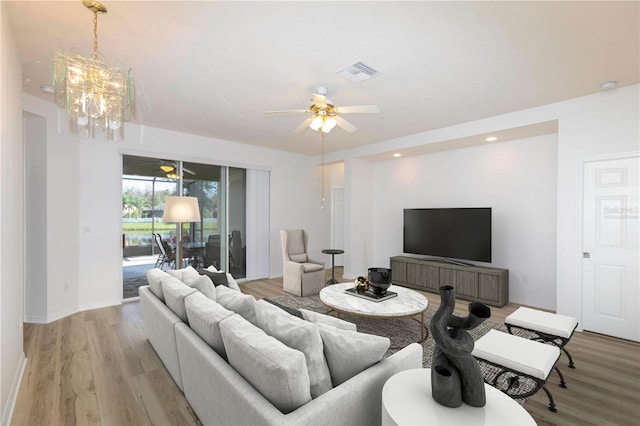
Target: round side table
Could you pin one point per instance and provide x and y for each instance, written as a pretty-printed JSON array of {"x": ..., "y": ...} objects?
[
  {"x": 407, "y": 400},
  {"x": 332, "y": 252}
]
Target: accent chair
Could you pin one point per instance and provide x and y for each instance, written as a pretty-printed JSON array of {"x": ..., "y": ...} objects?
[{"x": 301, "y": 275}]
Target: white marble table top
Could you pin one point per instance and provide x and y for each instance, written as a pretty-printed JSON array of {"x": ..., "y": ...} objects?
[
  {"x": 407, "y": 400},
  {"x": 406, "y": 303}
]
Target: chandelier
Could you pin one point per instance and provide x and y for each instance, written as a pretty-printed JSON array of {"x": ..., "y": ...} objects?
[{"x": 98, "y": 97}]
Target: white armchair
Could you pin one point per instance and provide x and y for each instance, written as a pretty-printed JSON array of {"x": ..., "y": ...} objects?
[{"x": 301, "y": 275}]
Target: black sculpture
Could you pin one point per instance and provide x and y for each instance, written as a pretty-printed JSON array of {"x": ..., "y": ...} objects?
[{"x": 455, "y": 374}]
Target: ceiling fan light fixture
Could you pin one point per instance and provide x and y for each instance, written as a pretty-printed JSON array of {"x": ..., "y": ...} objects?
[
  {"x": 316, "y": 123},
  {"x": 165, "y": 168},
  {"x": 329, "y": 123}
]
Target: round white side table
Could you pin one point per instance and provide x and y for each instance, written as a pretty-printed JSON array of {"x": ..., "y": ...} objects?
[{"x": 407, "y": 400}]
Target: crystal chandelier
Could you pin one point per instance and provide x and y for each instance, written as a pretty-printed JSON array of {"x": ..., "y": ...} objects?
[{"x": 98, "y": 97}]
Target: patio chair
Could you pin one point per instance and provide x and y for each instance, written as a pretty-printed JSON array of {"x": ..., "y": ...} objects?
[{"x": 167, "y": 256}]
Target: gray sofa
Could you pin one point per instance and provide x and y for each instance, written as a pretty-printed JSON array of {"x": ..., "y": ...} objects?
[{"x": 219, "y": 394}]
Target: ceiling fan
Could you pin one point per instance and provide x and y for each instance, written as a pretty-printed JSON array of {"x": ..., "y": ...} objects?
[
  {"x": 170, "y": 166},
  {"x": 325, "y": 115}
]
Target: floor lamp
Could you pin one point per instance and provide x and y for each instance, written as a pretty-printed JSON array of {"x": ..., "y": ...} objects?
[{"x": 180, "y": 210}]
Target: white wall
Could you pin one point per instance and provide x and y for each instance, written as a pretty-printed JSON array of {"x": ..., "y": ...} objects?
[
  {"x": 84, "y": 193},
  {"x": 517, "y": 179},
  {"x": 599, "y": 124},
  {"x": 12, "y": 360}
]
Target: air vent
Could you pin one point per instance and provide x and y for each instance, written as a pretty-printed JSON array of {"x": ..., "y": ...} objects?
[{"x": 358, "y": 72}]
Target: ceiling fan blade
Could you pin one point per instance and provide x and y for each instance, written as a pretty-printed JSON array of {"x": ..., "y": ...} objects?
[
  {"x": 319, "y": 100},
  {"x": 287, "y": 111},
  {"x": 304, "y": 124},
  {"x": 188, "y": 171},
  {"x": 362, "y": 109},
  {"x": 345, "y": 125}
]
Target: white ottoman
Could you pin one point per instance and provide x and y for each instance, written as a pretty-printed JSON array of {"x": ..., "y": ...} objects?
[
  {"x": 519, "y": 357},
  {"x": 548, "y": 327}
]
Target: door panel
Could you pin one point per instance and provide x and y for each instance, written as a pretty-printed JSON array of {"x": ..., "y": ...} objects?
[{"x": 611, "y": 296}]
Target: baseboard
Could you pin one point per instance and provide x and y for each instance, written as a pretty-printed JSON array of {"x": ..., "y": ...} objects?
[
  {"x": 104, "y": 304},
  {"x": 7, "y": 412}
]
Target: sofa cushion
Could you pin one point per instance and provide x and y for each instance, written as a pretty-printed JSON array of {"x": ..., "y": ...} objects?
[
  {"x": 237, "y": 302},
  {"x": 204, "y": 319},
  {"x": 297, "y": 334},
  {"x": 174, "y": 293},
  {"x": 318, "y": 318},
  {"x": 154, "y": 277},
  {"x": 186, "y": 275},
  {"x": 291, "y": 311},
  {"x": 278, "y": 372},
  {"x": 205, "y": 286},
  {"x": 349, "y": 352},
  {"x": 218, "y": 278}
]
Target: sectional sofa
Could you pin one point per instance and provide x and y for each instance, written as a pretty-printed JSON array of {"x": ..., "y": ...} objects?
[{"x": 240, "y": 361}]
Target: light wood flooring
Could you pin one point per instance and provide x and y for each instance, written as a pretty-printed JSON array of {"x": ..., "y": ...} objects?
[{"x": 97, "y": 368}]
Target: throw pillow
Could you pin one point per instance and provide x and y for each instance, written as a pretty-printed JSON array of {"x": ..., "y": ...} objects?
[
  {"x": 349, "y": 352},
  {"x": 154, "y": 277},
  {"x": 291, "y": 311},
  {"x": 186, "y": 275},
  {"x": 232, "y": 282},
  {"x": 175, "y": 292},
  {"x": 205, "y": 286},
  {"x": 318, "y": 318},
  {"x": 297, "y": 334},
  {"x": 242, "y": 304},
  {"x": 300, "y": 258},
  {"x": 204, "y": 319},
  {"x": 278, "y": 372},
  {"x": 218, "y": 278}
]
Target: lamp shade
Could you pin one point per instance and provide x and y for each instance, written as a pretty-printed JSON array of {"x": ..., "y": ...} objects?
[{"x": 181, "y": 209}]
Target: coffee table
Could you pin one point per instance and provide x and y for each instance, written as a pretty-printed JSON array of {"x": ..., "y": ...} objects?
[
  {"x": 408, "y": 303},
  {"x": 407, "y": 400}
]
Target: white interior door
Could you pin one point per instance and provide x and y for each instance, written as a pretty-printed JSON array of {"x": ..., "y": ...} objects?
[
  {"x": 337, "y": 220},
  {"x": 611, "y": 296}
]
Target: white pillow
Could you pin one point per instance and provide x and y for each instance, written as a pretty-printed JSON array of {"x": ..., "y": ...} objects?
[
  {"x": 349, "y": 352},
  {"x": 278, "y": 372},
  {"x": 243, "y": 304},
  {"x": 204, "y": 319},
  {"x": 154, "y": 277},
  {"x": 300, "y": 258},
  {"x": 204, "y": 284},
  {"x": 318, "y": 318},
  {"x": 185, "y": 275},
  {"x": 174, "y": 293},
  {"x": 297, "y": 334}
]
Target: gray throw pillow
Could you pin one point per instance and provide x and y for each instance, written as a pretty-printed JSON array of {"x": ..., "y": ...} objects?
[
  {"x": 349, "y": 352},
  {"x": 218, "y": 278},
  {"x": 297, "y": 334},
  {"x": 242, "y": 304},
  {"x": 278, "y": 372},
  {"x": 204, "y": 319}
]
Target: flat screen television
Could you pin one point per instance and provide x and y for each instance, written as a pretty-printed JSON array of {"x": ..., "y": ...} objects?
[{"x": 458, "y": 233}]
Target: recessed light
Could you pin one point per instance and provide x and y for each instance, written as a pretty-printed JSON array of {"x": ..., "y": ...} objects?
[
  {"x": 608, "y": 85},
  {"x": 491, "y": 139},
  {"x": 397, "y": 155}
]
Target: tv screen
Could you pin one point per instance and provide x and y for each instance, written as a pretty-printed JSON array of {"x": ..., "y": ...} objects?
[{"x": 459, "y": 233}]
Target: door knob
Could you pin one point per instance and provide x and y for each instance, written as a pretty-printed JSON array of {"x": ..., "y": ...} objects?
[{"x": 586, "y": 255}]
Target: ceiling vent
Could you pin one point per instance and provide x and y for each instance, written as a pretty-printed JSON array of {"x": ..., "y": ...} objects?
[{"x": 358, "y": 72}]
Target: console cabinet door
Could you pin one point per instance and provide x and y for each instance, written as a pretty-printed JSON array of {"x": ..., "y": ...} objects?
[
  {"x": 430, "y": 277},
  {"x": 466, "y": 283},
  {"x": 398, "y": 271},
  {"x": 489, "y": 287}
]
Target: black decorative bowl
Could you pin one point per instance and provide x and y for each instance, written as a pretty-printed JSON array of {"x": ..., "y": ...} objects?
[{"x": 379, "y": 280}]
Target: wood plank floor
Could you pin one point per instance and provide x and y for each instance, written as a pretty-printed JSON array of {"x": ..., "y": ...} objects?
[{"x": 97, "y": 368}]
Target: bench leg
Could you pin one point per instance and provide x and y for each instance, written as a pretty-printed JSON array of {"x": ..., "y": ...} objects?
[
  {"x": 571, "y": 364},
  {"x": 552, "y": 404},
  {"x": 563, "y": 384}
]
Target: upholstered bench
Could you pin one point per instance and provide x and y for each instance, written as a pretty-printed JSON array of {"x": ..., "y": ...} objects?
[
  {"x": 518, "y": 358},
  {"x": 548, "y": 327}
]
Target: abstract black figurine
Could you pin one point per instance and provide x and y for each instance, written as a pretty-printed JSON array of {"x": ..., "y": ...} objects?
[{"x": 455, "y": 374}]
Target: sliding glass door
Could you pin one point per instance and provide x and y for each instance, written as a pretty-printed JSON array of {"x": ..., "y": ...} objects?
[{"x": 218, "y": 239}]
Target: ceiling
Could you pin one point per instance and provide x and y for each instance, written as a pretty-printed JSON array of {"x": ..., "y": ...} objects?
[{"x": 212, "y": 68}]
